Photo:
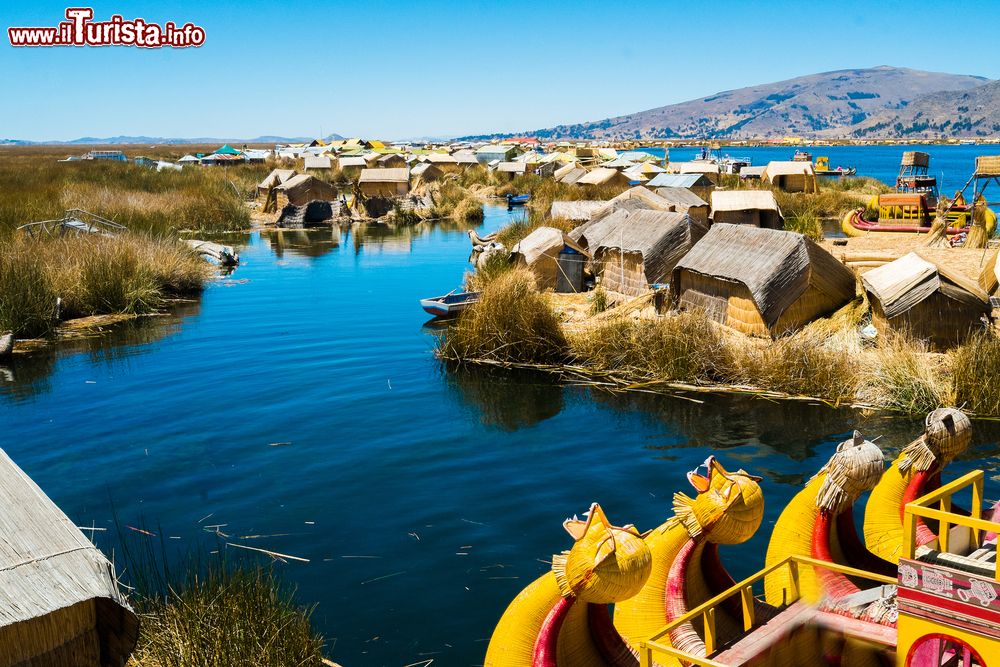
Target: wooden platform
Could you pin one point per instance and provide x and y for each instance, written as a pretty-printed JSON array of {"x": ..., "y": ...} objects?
[{"x": 775, "y": 631}]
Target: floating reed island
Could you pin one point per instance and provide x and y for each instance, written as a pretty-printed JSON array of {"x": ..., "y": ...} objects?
[{"x": 645, "y": 291}]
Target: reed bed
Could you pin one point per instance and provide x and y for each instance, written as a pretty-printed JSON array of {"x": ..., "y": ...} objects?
[
  {"x": 975, "y": 372},
  {"x": 36, "y": 187},
  {"x": 511, "y": 323},
  {"x": 898, "y": 375},
  {"x": 827, "y": 361},
  {"x": 227, "y": 615},
  {"x": 130, "y": 274}
]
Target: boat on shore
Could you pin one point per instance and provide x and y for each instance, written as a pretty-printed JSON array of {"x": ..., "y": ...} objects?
[{"x": 450, "y": 304}]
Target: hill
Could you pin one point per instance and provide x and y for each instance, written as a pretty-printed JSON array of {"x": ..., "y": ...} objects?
[
  {"x": 963, "y": 113},
  {"x": 814, "y": 105},
  {"x": 107, "y": 141}
]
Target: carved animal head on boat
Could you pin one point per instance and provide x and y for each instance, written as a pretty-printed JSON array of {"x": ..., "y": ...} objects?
[
  {"x": 947, "y": 433},
  {"x": 606, "y": 563},
  {"x": 854, "y": 468},
  {"x": 728, "y": 508}
]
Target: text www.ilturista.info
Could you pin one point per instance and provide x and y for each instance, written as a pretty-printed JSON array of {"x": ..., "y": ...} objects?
[{"x": 80, "y": 30}]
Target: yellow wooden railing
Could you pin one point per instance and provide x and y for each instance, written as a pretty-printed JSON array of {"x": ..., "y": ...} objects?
[
  {"x": 922, "y": 507},
  {"x": 652, "y": 648}
]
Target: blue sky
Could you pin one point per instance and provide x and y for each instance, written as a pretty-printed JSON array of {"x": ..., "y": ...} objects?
[{"x": 406, "y": 69}]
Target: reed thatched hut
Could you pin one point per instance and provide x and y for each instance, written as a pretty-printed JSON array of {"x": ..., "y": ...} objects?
[
  {"x": 317, "y": 163},
  {"x": 448, "y": 164},
  {"x": 391, "y": 161},
  {"x": 635, "y": 249},
  {"x": 763, "y": 282},
  {"x": 683, "y": 200},
  {"x": 790, "y": 176},
  {"x": 700, "y": 184},
  {"x": 59, "y": 599},
  {"x": 301, "y": 189},
  {"x": 351, "y": 165},
  {"x": 757, "y": 208},
  {"x": 425, "y": 172},
  {"x": 578, "y": 211},
  {"x": 604, "y": 176},
  {"x": 926, "y": 300},
  {"x": 384, "y": 182},
  {"x": 539, "y": 251},
  {"x": 271, "y": 181},
  {"x": 569, "y": 174}
]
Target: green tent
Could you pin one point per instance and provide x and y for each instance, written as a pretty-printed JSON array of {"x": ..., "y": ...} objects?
[{"x": 227, "y": 150}]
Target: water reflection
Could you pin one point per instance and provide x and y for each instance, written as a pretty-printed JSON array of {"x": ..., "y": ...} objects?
[
  {"x": 26, "y": 374},
  {"x": 303, "y": 242},
  {"x": 508, "y": 401}
]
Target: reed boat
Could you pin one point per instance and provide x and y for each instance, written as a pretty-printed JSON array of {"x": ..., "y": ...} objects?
[
  {"x": 922, "y": 589},
  {"x": 450, "y": 304},
  {"x": 915, "y": 204}
]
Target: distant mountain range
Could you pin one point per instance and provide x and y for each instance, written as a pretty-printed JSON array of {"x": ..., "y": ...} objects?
[
  {"x": 846, "y": 103},
  {"x": 266, "y": 139},
  {"x": 965, "y": 114}
]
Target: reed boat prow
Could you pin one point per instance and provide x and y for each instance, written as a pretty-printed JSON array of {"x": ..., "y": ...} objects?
[{"x": 938, "y": 606}]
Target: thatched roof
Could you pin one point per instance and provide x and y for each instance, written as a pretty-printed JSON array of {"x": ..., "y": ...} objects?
[
  {"x": 610, "y": 208},
  {"x": 276, "y": 177},
  {"x": 776, "y": 266},
  {"x": 352, "y": 161},
  {"x": 48, "y": 565},
  {"x": 788, "y": 168},
  {"x": 646, "y": 195},
  {"x": 393, "y": 175},
  {"x": 661, "y": 237},
  {"x": 512, "y": 167},
  {"x": 444, "y": 158},
  {"x": 752, "y": 172},
  {"x": 695, "y": 167},
  {"x": 681, "y": 199},
  {"x": 317, "y": 162},
  {"x": 598, "y": 176},
  {"x": 576, "y": 210},
  {"x": 572, "y": 174},
  {"x": 545, "y": 241},
  {"x": 909, "y": 280},
  {"x": 744, "y": 200},
  {"x": 679, "y": 181}
]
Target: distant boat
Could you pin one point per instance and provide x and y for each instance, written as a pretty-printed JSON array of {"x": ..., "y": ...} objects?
[
  {"x": 450, "y": 304},
  {"x": 822, "y": 168},
  {"x": 517, "y": 200}
]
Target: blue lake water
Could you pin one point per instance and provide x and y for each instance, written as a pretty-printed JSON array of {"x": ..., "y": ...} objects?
[
  {"x": 298, "y": 407},
  {"x": 952, "y": 165}
]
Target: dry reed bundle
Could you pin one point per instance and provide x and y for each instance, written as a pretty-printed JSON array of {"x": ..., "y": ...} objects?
[
  {"x": 511, "y": 323},
  {"x": 855, "y": 468},
  {"x": 947, "y": 433}
]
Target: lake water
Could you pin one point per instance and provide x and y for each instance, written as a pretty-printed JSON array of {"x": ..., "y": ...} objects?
[
  {"x": 298, "y": 407},
  {"x": 952, "y": 165}
]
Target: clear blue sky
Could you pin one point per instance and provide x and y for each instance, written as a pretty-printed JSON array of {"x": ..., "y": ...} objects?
[{"x": 419, "y": 68}]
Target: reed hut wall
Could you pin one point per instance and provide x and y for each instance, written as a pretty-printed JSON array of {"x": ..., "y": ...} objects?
[
  {"x": 759, "y": 281},
  {"x": 622, "y": 271},
  {"x": 944, "y": 319},
  {"x": 59, "y": 599}
]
